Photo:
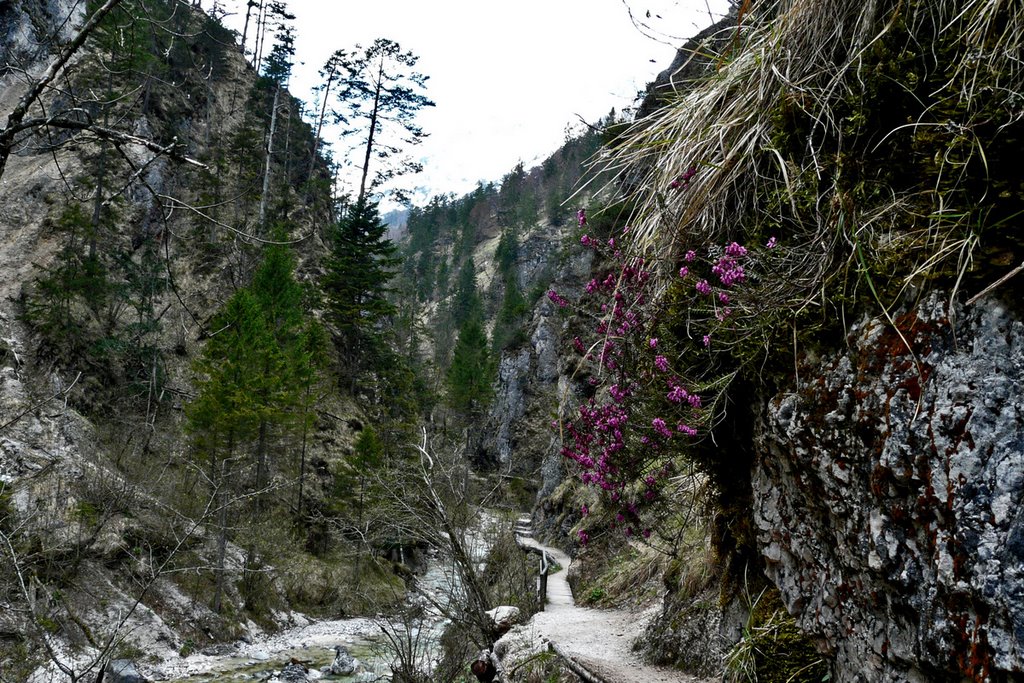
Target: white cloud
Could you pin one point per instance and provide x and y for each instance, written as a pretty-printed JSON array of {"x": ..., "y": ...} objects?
[{"x": 507, "y": 77}]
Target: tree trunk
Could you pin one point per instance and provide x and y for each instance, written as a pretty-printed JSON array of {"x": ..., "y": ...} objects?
[
  {"x": 220, "y": 479},
  {"x": 270, "y": 153},
  {"x": 320, "y": 123},
  {"x": 369, "y": 138},
  {"x": 302, "y": 456},
  {"x": 261, "y": 35}
]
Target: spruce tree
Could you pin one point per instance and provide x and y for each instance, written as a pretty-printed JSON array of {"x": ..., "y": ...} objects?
[
  {"x": 469, "y": 376},
  {"x": 255, "y": 376},
  {"x": 466, "y": 303},
  {"x": 360, "y": 265}
]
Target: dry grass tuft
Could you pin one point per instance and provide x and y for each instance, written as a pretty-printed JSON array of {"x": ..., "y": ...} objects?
[{"x": 812, "y": 58}]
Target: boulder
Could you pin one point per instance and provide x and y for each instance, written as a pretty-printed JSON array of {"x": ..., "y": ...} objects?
[
  {"x": 344, "y": 663},
  {"x": 122, "y": 671},
  {"x": 504, "y": 617},
  {"x": 293, "y": 673}
]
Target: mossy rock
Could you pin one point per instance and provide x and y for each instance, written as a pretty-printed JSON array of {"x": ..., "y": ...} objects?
[{"x": 774, "y": 648}]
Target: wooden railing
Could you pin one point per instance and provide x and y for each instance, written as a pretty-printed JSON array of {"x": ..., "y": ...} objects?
[{"x": 523, "y": 528}]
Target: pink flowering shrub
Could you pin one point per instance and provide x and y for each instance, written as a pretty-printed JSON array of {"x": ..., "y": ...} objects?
[{"x": 653, "y": 386}]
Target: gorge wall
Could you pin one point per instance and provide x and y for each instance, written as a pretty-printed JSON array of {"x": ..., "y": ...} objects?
[{"x": 888, "y": 492}]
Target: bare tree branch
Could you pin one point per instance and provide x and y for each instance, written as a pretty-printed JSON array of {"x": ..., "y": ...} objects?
[{"x": 15, "y": 118}]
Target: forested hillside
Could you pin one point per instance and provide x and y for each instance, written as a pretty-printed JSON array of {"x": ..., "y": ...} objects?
[{"x": 195, "y": 360}]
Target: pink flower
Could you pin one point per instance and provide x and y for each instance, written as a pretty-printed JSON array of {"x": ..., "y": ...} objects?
[
  {"x": 559, "y": 301},
  {"x": 707, "y": 340},
  {"x": 686, "y": 429},
  {"x": 677, "y": 395},
  {"x": 653, "y": 343},
  {"x": 584, "y": 511},
  {"x": 735, "y": 249},
  {"x": 703, "y": 287},
  {"x": 684, "y": 271},
  {"x": 585, "y": 241},
  {"x": 690, "y": 255},
  {"x": 728, "y": 270},
  {"x": 619, "y": 394},
  {"x": 771, "y": 242},
  {"x": 581, "y": 217},
  {"x": 583, "y": 536},
  {"x": 683, "y": 181},
  {"x": 723, "y": 297},
  {"x": 659, "y": 426},
  {"x": 661, "y": 363}
]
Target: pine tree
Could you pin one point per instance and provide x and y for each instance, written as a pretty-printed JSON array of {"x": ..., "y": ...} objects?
[
  {"x": 360, "y": 265},
  {"x": 278, "y": 70},
  {"x": 469, "y": 376},
  {"x": 380, "y": 94}
]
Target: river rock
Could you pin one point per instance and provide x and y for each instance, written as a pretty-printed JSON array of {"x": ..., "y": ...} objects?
[
  {"x": 504, "y": 617},
  {"x": 293, "y": 673},
  {"x": 344, "y": 663},
  {"x": 122, "y": 671}
]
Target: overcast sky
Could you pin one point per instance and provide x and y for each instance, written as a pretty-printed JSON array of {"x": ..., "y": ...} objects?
[{"x": 507, "y": 77}]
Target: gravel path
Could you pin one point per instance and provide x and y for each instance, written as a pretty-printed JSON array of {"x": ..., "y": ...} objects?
[{"x": 599, "y": 640}]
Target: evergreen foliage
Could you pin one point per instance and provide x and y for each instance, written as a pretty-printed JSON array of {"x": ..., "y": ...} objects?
[
  {"x": 508, "y": 323},
  {"x": 360, "y": 264},
  {"x": 466, "y": 304},
  {"x": 469, "y": 376},
  {"x": 379, "y": 95},
  {"x": 355, "y": 484},
  {"x": 255, "y": 376},
  {"x": 257, "y": 365},
  {"x": 96, "y": 305}
]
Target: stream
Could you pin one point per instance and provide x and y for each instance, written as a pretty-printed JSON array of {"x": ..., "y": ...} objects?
[{"x": 312, "y": 642}]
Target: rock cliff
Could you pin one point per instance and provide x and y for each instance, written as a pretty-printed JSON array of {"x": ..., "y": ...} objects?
[{"x": 888, "y": 492}]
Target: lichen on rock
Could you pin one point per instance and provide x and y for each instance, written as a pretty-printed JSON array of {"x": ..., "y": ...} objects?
[{"x": 887, "y": 496}]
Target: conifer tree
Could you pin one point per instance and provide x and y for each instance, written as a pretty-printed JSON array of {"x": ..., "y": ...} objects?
[
  {"x": 379, "y": 95},
  {"x": 360, "y": 264},
  {"x": 255, "y": 374},
  {"x": 466, "y": 302},
  {"x": 225, "y": 416},
  {"x": 278, "y": 70},
  {"x": 469, "y": 376}
]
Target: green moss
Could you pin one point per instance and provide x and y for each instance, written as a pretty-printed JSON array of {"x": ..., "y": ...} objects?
[{"x": 773, "y": 649}]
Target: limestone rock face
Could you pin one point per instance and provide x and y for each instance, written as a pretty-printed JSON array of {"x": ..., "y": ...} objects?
[
  {"x": 27, "y": 26},
  {"x": 509, "y": 403},
  {"x": 532, "y": 376},
  {"x": 888, "y": 495}
]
